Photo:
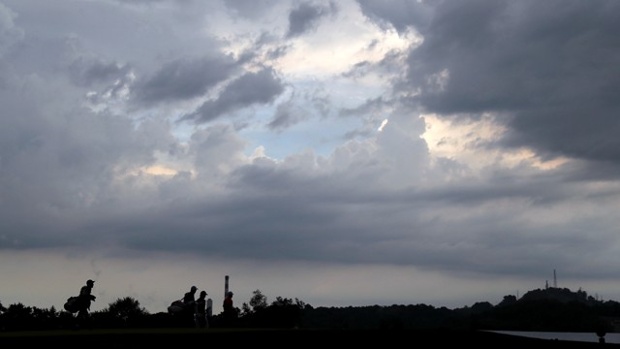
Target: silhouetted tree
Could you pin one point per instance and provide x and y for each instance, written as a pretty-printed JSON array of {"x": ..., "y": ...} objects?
[
  {"x": 258, "y": 300},
  {"x": 18, "y": 317},
  {"x": 282, "y": 313},
  {"x": 124, "y": 312},
  {"x": 508, "y": 300},
  {"x": 126, "y": 308}
]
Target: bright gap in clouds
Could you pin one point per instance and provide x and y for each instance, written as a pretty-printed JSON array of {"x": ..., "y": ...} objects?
[
  {"x": 314, "y": 68},
  {"x": 464, "y": 141},
  {"x": 341, "y": 51}
]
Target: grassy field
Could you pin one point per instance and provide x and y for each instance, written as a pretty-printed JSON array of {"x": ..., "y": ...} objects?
[{"x": 276, "y": 338}]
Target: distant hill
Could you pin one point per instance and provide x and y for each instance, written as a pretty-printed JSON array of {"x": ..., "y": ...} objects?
[{"x": 563, "y": 295}]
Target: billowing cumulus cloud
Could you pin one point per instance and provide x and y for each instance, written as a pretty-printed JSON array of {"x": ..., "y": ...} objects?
[{"x": 540, "y": 67}]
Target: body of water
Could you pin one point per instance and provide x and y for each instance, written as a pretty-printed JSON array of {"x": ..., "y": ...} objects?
[{"x": 566, "y": 336}]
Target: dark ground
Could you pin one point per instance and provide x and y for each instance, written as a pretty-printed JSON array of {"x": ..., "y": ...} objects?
[{"x": 158, "y": 338}]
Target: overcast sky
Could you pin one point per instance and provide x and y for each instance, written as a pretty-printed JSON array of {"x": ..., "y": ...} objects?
[{"x": 345, "y": 153}]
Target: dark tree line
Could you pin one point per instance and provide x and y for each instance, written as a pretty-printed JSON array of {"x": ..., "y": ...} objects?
[
  {"x": 128, "y": 313},
  {"x": 538, "y": 310}
]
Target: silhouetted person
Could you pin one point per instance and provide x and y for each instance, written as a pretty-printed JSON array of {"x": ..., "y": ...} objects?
[
  {"x": 229, "y": 310},
  {"x": 189, "y": 304},
  {"x": 200, "y": 315},
  {"x": 190, "y": 297},
  {"x": 85, "y": 298}
]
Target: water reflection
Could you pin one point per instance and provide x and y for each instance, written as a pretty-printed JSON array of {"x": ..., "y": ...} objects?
[{"x": 567, "y": 336}]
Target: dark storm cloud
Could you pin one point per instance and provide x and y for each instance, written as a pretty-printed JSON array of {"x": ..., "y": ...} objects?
[
  {"x": 261, "y": 87},
  {"x": 184, "y": 79},
  {"x": 305, "y": 17},
  {"x": 549, "y": 68}
]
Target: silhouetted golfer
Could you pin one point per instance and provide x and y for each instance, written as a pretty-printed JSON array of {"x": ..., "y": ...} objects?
[{"x": 85, "y": 298}]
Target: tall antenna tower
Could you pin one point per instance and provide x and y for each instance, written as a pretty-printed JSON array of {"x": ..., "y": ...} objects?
[{"x": 555, "y": 280}]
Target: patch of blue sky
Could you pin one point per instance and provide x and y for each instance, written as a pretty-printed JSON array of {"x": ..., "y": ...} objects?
[
  {"x": 320, "y": 130},
  {"x": 317, "y": 134},
  {"x": 313, "y": 136}
]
